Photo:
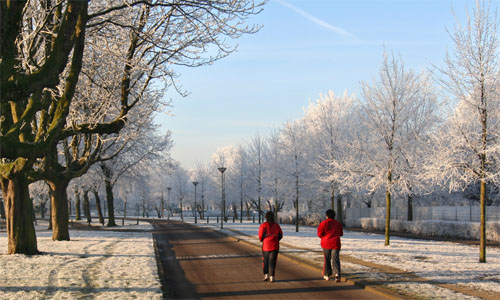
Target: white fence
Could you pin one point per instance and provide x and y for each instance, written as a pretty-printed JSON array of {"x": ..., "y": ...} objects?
[{"x": 443, "y": 213}]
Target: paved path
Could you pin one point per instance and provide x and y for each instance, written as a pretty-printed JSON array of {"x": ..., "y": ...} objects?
[{"x": 199, "y": 263}]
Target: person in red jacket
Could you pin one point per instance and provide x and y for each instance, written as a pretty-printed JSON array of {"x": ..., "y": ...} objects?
[
  {"x": 330, "y": 231},
  {"x": 270, "y": 235}
]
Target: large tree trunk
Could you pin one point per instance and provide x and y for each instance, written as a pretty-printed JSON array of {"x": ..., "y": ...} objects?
[
  {"x": 111, "y": 206},
  {"x": 98, "y": 206},
  {"x": 19, "y": 216},
  {"x": 59, "y": 209}
]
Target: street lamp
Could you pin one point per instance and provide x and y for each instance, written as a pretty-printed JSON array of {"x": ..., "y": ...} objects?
[
  {"x": 195, "y": 217},
  {"x": 223, "y": 207},
  {"x": 168, "y": 211}
]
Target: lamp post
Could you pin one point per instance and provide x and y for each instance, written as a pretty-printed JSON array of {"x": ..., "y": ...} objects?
[
  {"x": 223, "y": 207},
  {"x": 168, "y": 205},
  {"x": 195, "y": 206}
]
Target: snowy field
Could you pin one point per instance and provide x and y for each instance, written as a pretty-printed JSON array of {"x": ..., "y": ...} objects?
[
  {"x": 429, "y": 269},
  {"x": 97, "y": 264}
]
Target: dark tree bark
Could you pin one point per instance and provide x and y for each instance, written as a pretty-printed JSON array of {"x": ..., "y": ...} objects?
[
  {"x": 77, "y": 206},
  {"x": 98, "y": 206},
  {"x": 86, "y": 206},
  {"x": 340, "y": 214},
  {"x": 42, "y": 209},
  {"x": 2, "y": 210},
  {"x": 111, "y": 206},
  {"x": 59, "y": 209},
  {"x": 410, "y": 207},
  {"x": 19, "y": 215}
]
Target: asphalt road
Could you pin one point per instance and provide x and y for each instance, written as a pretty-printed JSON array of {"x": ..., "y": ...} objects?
[{"x": 200, "y": 263}]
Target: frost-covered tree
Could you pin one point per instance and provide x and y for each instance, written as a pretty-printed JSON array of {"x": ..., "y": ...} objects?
[
  {"x": 274, "y": 173},
  {"x": 181, "y": 184},
  {"x": 257, "y": 151},
  {"x": 390, "y": 106},
  {"x": 295, "y": 166},
  {"x": 241, "y": 170},
  {"x": 141, "y": 150},
  {"x": 328, "y": 122},
  {"x": 39, "y": 192},
  {"x": 467, "y": 149}
]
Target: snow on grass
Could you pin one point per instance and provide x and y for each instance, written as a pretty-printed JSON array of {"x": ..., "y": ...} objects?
[
  {"x": 101, "y": 264},
  {"x": 435, "y": 262}
]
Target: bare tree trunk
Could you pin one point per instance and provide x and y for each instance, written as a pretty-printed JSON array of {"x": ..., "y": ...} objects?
[
  {"x": 19, "y": 216},
  {"x": 2, "y": 209},
  {"x": 388, "y": 209},
  {"x": 50, "y": 213},
  {"x": 98, "y": 206},
  {"x": 296, "y": 201},
  {"x": 86, "y": 205},
  {"x": 162, "y": 205},
  {"x": 69, "y": 207},
  {"x": 410, "y": 207},
  {"x": 340, "y": 211},
  {"x": 42, "y": 209},
  {"x": 248, "y": 205},
  {"x": 111, "y": 206},
  {"x": 332, "y": 197},
  {"x": 77, "y": 205},
  {"x": 59, "y": 209},
  {"x": 482, "y": 226},
  {"x": 202, "y": 216},
  {"x": 482, "y": 171},
  {"x": 235, "y": 211}
]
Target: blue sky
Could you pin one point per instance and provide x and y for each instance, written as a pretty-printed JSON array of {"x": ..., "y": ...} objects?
[{"x": 306, "y": 47}]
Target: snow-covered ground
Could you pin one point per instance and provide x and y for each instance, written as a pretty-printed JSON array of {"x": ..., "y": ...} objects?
[
  {"x": 101, "y": 264},
  {"x": 121, "y": 265},
  {"x": 429, "y": 269}
]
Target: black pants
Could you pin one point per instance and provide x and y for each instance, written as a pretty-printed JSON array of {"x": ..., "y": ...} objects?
[
  {"x": 269, "y": 259},
  {"x": 331, "y": 258}
]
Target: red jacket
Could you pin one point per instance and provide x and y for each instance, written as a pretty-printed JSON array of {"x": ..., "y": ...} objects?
[
  {"x": 330, "y": 231},
  {"x": 270, "y": 235}
]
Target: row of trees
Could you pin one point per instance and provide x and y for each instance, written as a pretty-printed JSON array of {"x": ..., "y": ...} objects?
[
  {"x": 404, "y": 137},
  {"x": 80, "y": 82}
]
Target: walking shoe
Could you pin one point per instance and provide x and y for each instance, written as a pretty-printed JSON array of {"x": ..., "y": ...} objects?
[
  {"x": 266, "y": 277},
  {"x": 271, "y": 279},
  {"x": 326, "y": 277},
  {"x": 337, "y": 278}
]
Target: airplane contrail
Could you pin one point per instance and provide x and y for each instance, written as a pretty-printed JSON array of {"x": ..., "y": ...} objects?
[{"x": 318, "y": 21}]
